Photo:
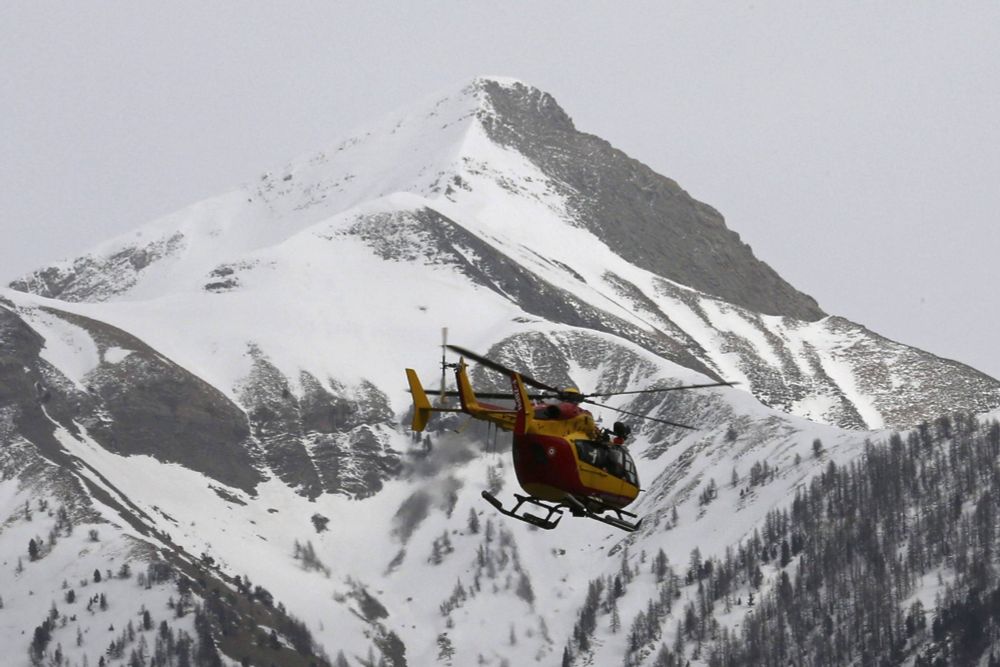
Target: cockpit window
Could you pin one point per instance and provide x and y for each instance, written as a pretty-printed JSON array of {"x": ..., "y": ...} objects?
[
  {"x": 630, "y": 474},
  {"x": 613, "y": 459},
  {"x": 592, "y": 453}
]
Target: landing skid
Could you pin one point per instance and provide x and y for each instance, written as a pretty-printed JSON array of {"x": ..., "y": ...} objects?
[
  {"x": 577, "y": 508},
  {"x": 618, "y": 521},
  {"x": 547, "y": 523}
]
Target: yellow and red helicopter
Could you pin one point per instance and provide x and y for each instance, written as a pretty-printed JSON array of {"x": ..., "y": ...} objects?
[{"x": 562, "y": 458}]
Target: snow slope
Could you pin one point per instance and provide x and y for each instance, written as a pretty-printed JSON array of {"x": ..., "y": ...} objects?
[
  {"x": 277, "y": 319},
  {"x": 390, "y": 554},
  {"x": 361, "y": 227}
]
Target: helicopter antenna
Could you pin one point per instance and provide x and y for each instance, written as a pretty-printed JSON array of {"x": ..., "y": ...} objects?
[{"x": 442, "y": 396}]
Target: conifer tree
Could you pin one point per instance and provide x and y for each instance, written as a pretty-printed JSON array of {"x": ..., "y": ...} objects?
[{"x": 473, "y": 521}]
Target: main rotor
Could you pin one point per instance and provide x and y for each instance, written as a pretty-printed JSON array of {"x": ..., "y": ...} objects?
[{"x": 571, "y": 394}]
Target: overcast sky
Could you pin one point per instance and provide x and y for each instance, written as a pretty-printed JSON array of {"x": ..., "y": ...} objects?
[{"x": 855, "y": 146}]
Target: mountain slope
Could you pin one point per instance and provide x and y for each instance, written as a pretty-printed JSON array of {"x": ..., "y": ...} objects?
[
  {"x": 645, "y": 218},
  {"x": 364, "y": 566},
  {"x": 222, "y": 389},
  {"x": 494, "y": 186},
  {"x": 430, "y": 149}
]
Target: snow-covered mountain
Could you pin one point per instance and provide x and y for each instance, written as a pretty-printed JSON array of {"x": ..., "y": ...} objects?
[
  {"x": 488, "y": 198},
  {"x": 220, "y": 394}
]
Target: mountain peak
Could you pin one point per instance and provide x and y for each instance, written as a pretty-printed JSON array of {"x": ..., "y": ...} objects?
[
  {"x": 515, "y": 102},
  {"x": 644, "y": 217},
  {"x": 504, "y": 81},
  {"x": 520, "y": 146}
]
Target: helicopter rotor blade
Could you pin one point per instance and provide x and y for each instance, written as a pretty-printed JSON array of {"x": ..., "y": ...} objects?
[
  {"x": 636, "y": 414},
  {"x": 661, "y": 389},
  {"x": 489, "y": 363},
  {"x": 497, "y": 394}
]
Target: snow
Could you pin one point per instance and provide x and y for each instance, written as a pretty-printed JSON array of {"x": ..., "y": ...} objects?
[
  {"x": 725, "y": 318},
  {"x": 116, "y": 355},
  {"x": 843, "y": 375},
  {"x": 282, "y": 241},
  {"x": 505, "y": 81},
  {"x": 815, "y": 407},
  {"x": 69, "y": 564},
  {"x": 311, "y": 297},
  {"x": 67, "y": 346},
  {"x": 257, "y": 538}
]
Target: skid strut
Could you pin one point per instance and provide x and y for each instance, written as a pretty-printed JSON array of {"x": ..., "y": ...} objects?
[{"x": 548, "y": 523}]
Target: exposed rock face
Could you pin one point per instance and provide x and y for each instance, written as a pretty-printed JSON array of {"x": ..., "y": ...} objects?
[
  {"x": 23, "y": 386},
  {"x": 930, "y": 385},
  {"x": 644, "y": 217},
  {"x": 836, "y": 371},
  {"x": 276, "y": 425},
  {"x": 157, "y": 408},
  {"x": 96, "y": 277},
  {"x": 429, "y": 237},
  {"x": 139, "y": 404},
  {"x": 320, "y": 439},
  {"x": 327, "y": 439}
]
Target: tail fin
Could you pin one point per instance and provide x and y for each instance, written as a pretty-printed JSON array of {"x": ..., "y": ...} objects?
[
  {"x": 465, "y": 393},
  {"x": 525, "y": 412},
  {"x": 421, "y": 406}
]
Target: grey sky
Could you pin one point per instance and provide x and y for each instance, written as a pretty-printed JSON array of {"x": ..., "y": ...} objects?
[{"x": 855, "y": 146}]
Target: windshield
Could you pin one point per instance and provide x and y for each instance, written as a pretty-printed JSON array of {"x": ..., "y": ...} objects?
[
  {"x": 592, "y": 453},
  {"x": 630, "y": 474},
  {"x": 614, "y": 459}
]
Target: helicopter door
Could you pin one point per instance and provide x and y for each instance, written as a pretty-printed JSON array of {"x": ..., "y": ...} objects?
[
  {"x": 616, "y": 466},
  {"x": 609, "y": 466},
  {"x": 594, "y": 475}
]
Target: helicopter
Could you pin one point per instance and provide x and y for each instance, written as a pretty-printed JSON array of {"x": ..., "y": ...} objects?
[{"x": 562, "y": 458}]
